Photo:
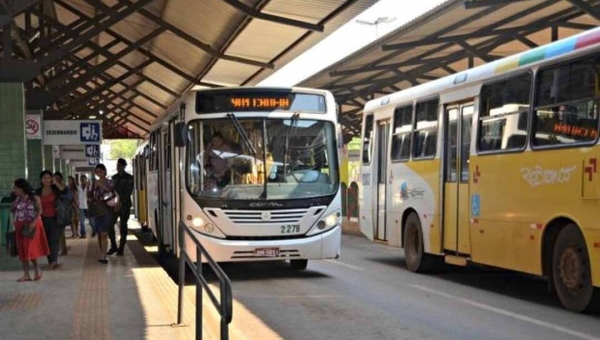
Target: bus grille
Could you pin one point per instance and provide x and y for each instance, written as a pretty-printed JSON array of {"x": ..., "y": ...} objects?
[{"x": 290, "y": 216}]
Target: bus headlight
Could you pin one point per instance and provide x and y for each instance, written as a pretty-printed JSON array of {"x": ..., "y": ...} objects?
[
  {"x": 333, "y": 219},
  {"x": 197, "y": 222},
  {"x": 326, "y": 223}
]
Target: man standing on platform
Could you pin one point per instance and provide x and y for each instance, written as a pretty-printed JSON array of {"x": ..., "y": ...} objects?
[{"x": 123, "y": 185}]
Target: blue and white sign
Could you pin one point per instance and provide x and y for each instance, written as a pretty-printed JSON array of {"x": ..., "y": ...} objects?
[
  {"x": 89, "y": 132},
  {"x": 72, "y": 132},
  {"x": 93, "y": 161},
  {"x": 92, "y": 151}
]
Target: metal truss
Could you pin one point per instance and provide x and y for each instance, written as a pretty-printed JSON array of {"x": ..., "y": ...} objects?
[{"x": 353, "y": 93}]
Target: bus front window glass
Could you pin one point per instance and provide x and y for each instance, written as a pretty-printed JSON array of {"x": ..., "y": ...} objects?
[
  {"x": 503, "y": 118},
  {"x": 567, "y": 99},
  {"x": 298, "y": 159},
  {"x": 401, "y": 134}
]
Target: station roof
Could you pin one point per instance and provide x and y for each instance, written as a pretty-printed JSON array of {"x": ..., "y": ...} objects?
[
  {"x": 455, "y": 36},
  {"x": 132, "y": 59}
]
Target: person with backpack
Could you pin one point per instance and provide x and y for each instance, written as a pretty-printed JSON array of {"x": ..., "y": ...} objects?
[{"x": 55, "y": 198}]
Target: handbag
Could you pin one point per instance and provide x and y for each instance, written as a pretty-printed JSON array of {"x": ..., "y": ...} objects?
[
  {"x": 28, "y": 232},
  {"x": 96, "y": 208},
  {"x": 11, "y": 240},
  {"x": 113, "y": 201}
]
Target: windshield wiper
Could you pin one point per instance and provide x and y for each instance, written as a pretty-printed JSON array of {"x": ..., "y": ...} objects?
[
  {"x": 291, "y": 133},
  {"x": 242, "y": 132}
]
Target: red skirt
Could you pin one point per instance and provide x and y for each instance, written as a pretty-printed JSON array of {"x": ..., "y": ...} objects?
[{"x": 31, "y": 248}]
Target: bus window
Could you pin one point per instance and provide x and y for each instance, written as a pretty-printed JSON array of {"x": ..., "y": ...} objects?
[
  {"x": 368, "y": 135},
  {"x": 401, "y": 133},
  {"x": 567, "y": 103},
  {"x": 426, "y": 129},
  {"x": 504, "y": 110}
]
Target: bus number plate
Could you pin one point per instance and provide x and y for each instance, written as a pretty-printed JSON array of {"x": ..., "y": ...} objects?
[
  {"x": 290, "y": 228},
  {"x": 267, "y": 252}
]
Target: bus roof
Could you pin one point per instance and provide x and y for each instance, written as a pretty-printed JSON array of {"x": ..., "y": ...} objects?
[{"x": 580, "y": 42}]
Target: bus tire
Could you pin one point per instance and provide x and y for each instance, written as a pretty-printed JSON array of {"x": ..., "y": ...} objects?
[
  {"x": 298, "y": 264},
  {"x": 417, "y": 260},
  {"x": 571, "y": 271}
]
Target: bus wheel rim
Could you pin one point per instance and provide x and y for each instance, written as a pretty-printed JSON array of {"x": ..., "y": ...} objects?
[{"x": 571, "y": 269}]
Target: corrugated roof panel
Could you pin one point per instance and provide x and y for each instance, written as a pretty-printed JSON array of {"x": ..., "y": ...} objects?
[
  {"x": 263, "y": 40},
  {"x": 229, "y": 73},
  {"x": 180, "y": 53}
]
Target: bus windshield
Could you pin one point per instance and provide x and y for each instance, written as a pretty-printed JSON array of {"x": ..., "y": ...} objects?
[{"x": 261, "y": 159}]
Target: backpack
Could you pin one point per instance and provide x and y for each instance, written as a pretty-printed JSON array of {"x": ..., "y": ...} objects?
[{"x": 64, "y": 212}]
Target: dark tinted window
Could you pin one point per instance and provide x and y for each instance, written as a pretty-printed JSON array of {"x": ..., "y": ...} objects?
[
  {"x": 566, "y": 109},
  {"x": 401, "y": 133},
  {"x": 426, "y": 128},
  {"x": 504, "y": 110},
  {"x": 367, "y": 143}
]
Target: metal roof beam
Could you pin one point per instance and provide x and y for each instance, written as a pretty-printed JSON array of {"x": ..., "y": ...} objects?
[
  {"x": 205, "y": 47},
  {"x": 104, "y": 50},
  {"x": 143, "y": 51},
  {"x": 477, "y": 53},
  {"x": 485, "y": 3},
  {"x": 115, "y": 17},
  {"x": 461, "y": 37},
  {"x": 106, "y": 86},
  {"x": 78, "y": 82},
  {"x": 273, "y": 18},
  {"x": 587, "y": 8}
]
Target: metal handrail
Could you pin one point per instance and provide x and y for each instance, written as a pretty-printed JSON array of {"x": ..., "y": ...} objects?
[{"x": 225, "y": 306}]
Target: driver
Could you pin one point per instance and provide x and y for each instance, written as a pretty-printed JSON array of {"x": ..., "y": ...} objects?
[{"x": 216, "y": 166}]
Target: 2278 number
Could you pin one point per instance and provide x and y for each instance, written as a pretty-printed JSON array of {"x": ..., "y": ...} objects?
[{"x": 290, "y": 228}]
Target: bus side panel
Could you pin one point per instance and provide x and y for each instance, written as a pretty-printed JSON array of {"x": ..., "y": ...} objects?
[
  {"x": 415, "y": 186},
  {"x": 365, "y": 202},
  {"x": 592, "y": 237}
]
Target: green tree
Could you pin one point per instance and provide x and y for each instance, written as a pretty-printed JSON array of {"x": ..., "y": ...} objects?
[{"x": 123, "y": 148}]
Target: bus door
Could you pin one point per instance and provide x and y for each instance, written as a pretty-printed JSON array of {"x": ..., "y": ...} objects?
[
  {"x": 165, "y": 188},
  {"x": 457, "y": 144},
  {"x": 381, "y": 165}
]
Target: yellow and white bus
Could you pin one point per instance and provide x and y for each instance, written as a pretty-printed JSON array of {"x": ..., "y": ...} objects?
[{"x": 496, "y": 165}]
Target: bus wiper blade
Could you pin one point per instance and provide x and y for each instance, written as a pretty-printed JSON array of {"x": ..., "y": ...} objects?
[
  {"x": 242, "y": 132},
  {"x": 292, "y": 132}
]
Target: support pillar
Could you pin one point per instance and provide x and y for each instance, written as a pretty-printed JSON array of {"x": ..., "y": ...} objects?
[
  {"x": 48, "y": 158},
  {"x": 13, "y": 148},
  {"x": 35, "y": 155}
]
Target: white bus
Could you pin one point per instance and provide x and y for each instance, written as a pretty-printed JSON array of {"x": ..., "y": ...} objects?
[{"x": 253, "y": 171}]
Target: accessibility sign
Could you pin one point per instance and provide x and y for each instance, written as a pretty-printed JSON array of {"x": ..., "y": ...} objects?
[{"x": 72, "y": 132}]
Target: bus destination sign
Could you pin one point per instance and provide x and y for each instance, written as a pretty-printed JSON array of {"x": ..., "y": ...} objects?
[{"x": 260, "y": 103}]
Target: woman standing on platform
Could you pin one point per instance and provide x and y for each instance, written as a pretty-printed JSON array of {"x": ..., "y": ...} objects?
[
  {"x": 74, "y": 206},
  {"x": 102, "y": 215},
  {"x": 29, "y": 231},
  {"x": 49, "y": 193}
]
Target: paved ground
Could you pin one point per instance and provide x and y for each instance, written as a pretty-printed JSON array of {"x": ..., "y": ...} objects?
[{"x": 368, "y": 294}]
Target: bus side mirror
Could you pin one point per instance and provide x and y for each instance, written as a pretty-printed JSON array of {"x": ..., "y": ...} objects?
[{"x": 180, "y": 134}]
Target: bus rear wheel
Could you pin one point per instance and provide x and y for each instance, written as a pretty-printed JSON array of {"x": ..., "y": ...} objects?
[
  {"x": 416, "y": 259},
  {"x": 571, "y": 271},
  {"x": 298, "y": 264}
]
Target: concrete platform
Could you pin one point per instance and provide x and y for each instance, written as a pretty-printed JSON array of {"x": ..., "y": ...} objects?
[{"x": 130, "y": 298}]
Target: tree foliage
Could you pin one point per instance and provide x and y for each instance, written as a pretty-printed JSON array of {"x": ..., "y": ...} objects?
[{"x": 123, "y": 148}]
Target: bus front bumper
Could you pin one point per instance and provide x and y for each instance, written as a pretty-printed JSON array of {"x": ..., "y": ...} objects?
[{"x": 322, "y": 246}]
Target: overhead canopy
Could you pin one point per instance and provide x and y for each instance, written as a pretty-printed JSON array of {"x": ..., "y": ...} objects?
[
  {"x": 455, "y": 36},
  {"x": 126, "y": 61}
]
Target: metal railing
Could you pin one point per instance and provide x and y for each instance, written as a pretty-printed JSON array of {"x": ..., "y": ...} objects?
[{"x": 224, "y": 305}]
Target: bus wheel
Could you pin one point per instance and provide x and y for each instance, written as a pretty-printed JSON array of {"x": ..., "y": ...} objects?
[
  {"x": 571, "y": 270},
  {"x": 299, "y": 264},
  {"x": 416, "y": 259}
]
